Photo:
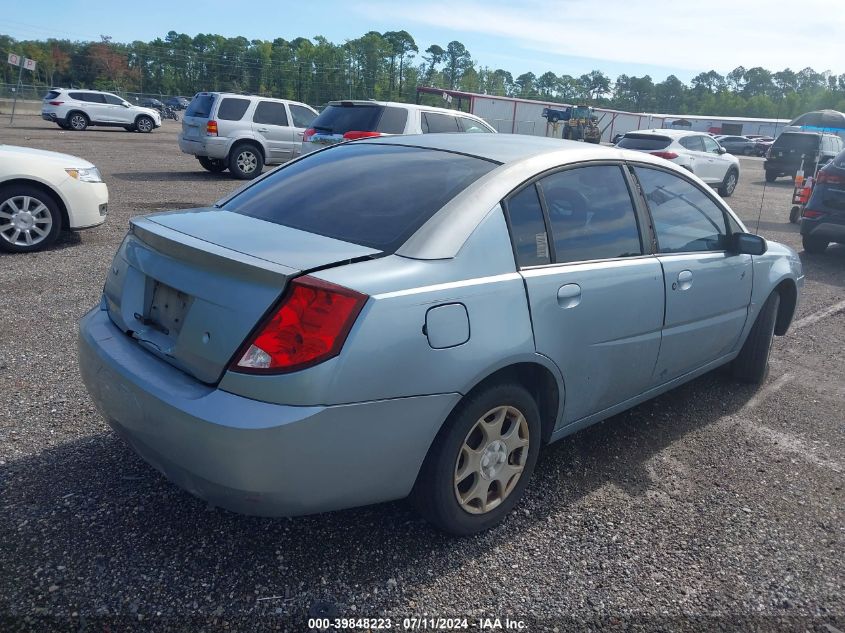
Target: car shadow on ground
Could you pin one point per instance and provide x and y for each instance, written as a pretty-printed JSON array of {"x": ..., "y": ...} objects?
[
  {"x": 171, "y": 176},
  {"x": 779, "y": 184},
  {"x": 122, "y": 533}
]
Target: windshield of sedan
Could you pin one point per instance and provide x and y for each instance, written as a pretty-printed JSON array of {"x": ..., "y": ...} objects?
[{"x": 366, "y": 193}]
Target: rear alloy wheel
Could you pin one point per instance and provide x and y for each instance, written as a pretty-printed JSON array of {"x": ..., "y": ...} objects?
[
  {"x": 214, "y": 165},
  {"x": 144, "y": 124},
  {"x": 30, "y": 219},
  {"x": 77, "y": 121},
  {"x": 814, "y": 245},
  {"x": 728, "y": 185},
  {"x": 481, "y": 461},
  {"x": 245, "y": 162}
]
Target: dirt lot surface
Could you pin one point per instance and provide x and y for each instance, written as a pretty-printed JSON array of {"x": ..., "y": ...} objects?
[{"x": 713, "y": 506}]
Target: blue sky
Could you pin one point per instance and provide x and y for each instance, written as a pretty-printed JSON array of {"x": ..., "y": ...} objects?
[{"x": 658, "y": 37}]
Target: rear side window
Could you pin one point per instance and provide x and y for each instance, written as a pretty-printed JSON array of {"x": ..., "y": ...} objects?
[
  {"x": 471, "y": 125},
  {"x": 434, "y": 123},
  {"x": 232, "y": 109},
  {"x": 393, "y": 121},
  {"x": 685, "y": 218},
  {"x": 51, "y": 95},
  {"x": 528, "y": 228},
  {"x": 200, "y": 106},
  {"x": 365, "y": 193},
  {"x": 643, "y": 142},
  {"x": 692, "y": 143},
  {"x": 267, "y": 113},
  {"x": 340, "y": 119},
  {"x": 89, "y": 97},
  {"x": 591, "y": 215},
  {"x": 302, "y": 117}
]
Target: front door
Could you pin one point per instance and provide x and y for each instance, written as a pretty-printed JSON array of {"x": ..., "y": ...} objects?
[
  {"x": 597, "y": 305},
  {"x": 270, "y": 124},
  {"x": 708, "y": 288}
]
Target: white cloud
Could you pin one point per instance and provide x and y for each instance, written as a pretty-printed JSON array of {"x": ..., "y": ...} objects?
[{"x": 698, "y": 36}]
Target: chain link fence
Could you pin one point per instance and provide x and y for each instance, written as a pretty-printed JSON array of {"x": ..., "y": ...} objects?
[{"x": 36, "y": 92}]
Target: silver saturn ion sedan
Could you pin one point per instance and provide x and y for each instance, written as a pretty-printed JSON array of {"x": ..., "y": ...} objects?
[{"x": 418, "y": 316}]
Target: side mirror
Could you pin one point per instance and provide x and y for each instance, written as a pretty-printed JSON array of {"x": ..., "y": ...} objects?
[
  {"x": 721, "y": 150},
  {"x": 125, "y": 104},
  {"x": 748, "y": 244}
]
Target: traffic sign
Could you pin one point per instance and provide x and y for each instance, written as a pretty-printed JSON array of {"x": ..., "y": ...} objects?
[
  {"x": 29, "y": 64},
  {"x": 14, "y": 60}
]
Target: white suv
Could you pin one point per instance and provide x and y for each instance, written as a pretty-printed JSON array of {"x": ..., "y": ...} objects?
[
  {"x": 695, "y": 151},
  {"x": 242, "y": 133},
  {"x": 347, "y": 120},
  {"x": 77, "y": 109}
]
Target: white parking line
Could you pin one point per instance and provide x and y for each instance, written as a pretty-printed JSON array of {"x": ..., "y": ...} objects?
[
  {"x": 818, "y": 316},
  {"x": 763, "y": 393}
]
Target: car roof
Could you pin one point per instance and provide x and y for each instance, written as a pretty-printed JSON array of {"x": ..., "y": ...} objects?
[
  {"x": 407, "y": 106},
  {"x": 670, "y": 133}
]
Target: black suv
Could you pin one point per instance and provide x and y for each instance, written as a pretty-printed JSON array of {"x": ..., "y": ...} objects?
[
  {"x": 792, "y": 150},
  {"x": 823, "y": 220}
]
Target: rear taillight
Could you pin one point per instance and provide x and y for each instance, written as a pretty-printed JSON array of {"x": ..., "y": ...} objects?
[
  {"x": 351, "y": 135},
  {"x": 829, "y": 178},
  {"x": 309, "y": 326},
  {"x": 666, "y": 155},
  {"x": 211, "y": 128},
  {"x": 809, "y": 213},
  {"x": 56, "y": 102},
  {"x": 308, "y": 134}
]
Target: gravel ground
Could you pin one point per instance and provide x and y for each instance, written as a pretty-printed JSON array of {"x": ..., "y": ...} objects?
[{"x": 711, "y": 507}]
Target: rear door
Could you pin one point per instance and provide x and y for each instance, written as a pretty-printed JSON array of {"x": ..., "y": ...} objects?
[
  {"x": 708, "y": 289},
  {"x": 596, "y": 294},
  {"x": 302, "y": 117},
  {"x": 270, "y": 124}
]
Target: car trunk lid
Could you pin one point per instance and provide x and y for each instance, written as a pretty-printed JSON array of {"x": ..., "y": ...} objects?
[{"x": 190, "y": 286}]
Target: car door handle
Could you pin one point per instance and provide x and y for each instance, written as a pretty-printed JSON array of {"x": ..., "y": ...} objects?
[
  {"x": 684, "y": 281},
  {"x": 263, "y": 129},
  {"x": 569, "y": 296},
  {"x": 300, "y": 134}
]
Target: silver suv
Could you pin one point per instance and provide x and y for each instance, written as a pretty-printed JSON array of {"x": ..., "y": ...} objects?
[
  {"x": 77, "y": 109},
  {"x": 348, "y": 120},
  {"x": 243, "y": 133}
]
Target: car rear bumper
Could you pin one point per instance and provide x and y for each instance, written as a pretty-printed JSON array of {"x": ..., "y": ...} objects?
[
  {"x": 831, "y": 228},
  {"x": 211, "y": 146},
  {"x": 249, "y": 456}
]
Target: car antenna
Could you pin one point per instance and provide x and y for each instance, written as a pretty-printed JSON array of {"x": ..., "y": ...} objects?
[{"x": 766, "y": 182}]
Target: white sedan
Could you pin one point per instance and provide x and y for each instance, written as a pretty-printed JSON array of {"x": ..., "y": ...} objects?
[
  {"x": 43, "y": 192},
  {"x": 694, "y": 151}
]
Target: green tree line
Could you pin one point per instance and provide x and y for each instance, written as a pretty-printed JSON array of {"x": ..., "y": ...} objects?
[{"x": 391, "y": 65}]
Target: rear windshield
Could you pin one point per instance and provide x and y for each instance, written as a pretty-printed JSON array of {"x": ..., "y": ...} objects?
[
  {"x": 340, "y": 119},
  {"x": 51, "y": 95},
  {"x": 366, "y": 193},
  {"x": 200, "y": 106},
  {"x": 804, "y": 142},
  {"x": 643, "y": 141}
]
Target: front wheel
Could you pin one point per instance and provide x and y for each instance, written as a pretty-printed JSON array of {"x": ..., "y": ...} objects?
[
  {"x": 752, "y": 364},
  {"x": 30, "y": 219},
  {"x": 728, "y": 185},
  {"x": 481, "y": 460},
  {"x": 814, "y": 245},
  {"x": 144, "y": 124},
  {"x": 771, "y": 176},
  {"x": 214, "y": 165}
]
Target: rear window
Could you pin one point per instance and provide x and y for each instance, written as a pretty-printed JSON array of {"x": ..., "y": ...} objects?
[
  {"x": 802, "y": 142},
  {"x": 340, "y": 119},
  {"x": 51, "y": 95},
  {"x": 644, "y": 142},
  {"x": 232, "y": 109},
  {"x": 200, "y": 106},
  {"x": 366, "y": 193}
]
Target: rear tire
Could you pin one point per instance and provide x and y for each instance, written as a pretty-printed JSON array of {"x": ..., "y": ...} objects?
[
  {"x": 795, "y": 214},
  {"x": 814, "y": 245},
  {"x": 245, "y": 161},
  {"x": 214, "y": 165},
  {"x": 771, "y": 176},
  {"x": 77, "y": 121},
  {"x": 30, "y": 219},
  {"x": 729, "y": 184},
  {"x": 481, "y": 460},
  {"x": 752, "y": 364}
]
